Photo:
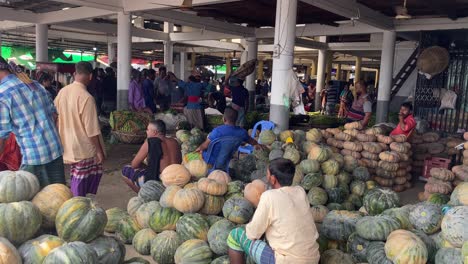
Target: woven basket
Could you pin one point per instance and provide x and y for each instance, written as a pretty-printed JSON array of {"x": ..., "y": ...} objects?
[
  {"x": 433, "y": 60},
  {"x": 245, "y": 69},
  {"x": 129, "y": 138}
]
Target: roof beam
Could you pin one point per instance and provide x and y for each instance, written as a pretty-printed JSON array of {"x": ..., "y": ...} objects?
[
  {"x": 354, "y": 10},
  {"x": 311, "y": 44},
  {"x": 146, "y": 5},
  {"x": 72, "y": 14},
  {"x": 190, "y": 20},
  {"x": 200, "y": 35},
  {"x": 216, "y": 44},
  {"x": 112, "y": 5},
  {"x": 16, "y": 15},
  {"x": 422, "y": 24}
]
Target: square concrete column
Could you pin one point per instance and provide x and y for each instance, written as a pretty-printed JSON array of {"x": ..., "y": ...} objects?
[
  {"x": 252, "y": 48},
  {"x": 169, "y": 48},
  {"x": 357, "y": 69},
  {"x": 283, "y": 58},
  {"x": 386, "y": 76},
  {"x": 0, "y": 43},
  {"x": 124, "y": 58},
  {"x": 329, "y": 66},
  {"x": 111, "y": 52},
  {"x": 338, "y": 72},
  {"x": 42, "y": 49},
  {"x": 260, "y": 66},
  {"x": 228, "y": 66},
  {"x": 321, "y": 68}
]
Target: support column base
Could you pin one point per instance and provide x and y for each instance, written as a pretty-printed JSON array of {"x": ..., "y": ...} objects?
[
  {"x": 279, "y": 114},
  {"x": 382, "y": 111},
  {"x": 122, "y": 99}
]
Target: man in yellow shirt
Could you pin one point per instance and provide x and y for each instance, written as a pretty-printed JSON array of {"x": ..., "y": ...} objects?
[
  {"x": 283, "y": 215},
  {"x": 80, "y": 132}
]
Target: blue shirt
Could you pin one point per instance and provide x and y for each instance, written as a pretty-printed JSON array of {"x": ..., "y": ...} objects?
[
  {"x": 148, "y": 91},
  {"x": 224, "y": 131},
  {"x": 28, "y": 113},
  {"x": 239, "y": 95},
  {"x": 192, "y": 89}
]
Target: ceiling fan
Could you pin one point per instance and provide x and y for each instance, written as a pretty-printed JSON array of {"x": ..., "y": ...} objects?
[{"x": 402, "y": 12}]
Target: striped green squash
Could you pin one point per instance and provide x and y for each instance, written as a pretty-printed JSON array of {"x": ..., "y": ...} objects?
[
  {"x": 16, "y": 186},
  {"x": 357, "y": 247},
  {"x": 9, "y": 254},
  {"x": 336, "y": 195},
  {"x": 79, "y": 219},
  {"x": 339, "y": 225},
  {"x": 74, "y": 252},
  {"x": 361, "y": 173},
  {"x": 376, "y": 227},
  {"x": 109, "y": 250},
  {"x": 334, "y": 206},
  {"x": 151, "y": 191},
  {"x": 35, "y": 250},
  {"x": 221, "y": 260},
  {"x": 348, "y": 206},
  {"x": 378, "y": 200},
  {"x": 402, "y": 214},
  {"x": 431, "y": 245},
  {"x": 143, "y": 214},
  {"x": 213, "y": 205},
  {"x": 329, "y": 181},
  {"x": 375, "y": 253},
  {"x": 218, "y": 234},
  {"x": 193, "y": 251},
  {"x": 309, "y": 166},
  {"x": 355, "y": 200},
  {"x": 234, "y": 187},
  {"x": 19, "y": 221},
  {"x": 136, "y": 260},
  {"x": 449, "y": 256},
  {"x": 459, "y": 195},
  {"x": 317, "y": 196},
  {"x": 164, "y": 247},
  {"x": 133, "y": 204},
  {"x": 238, "y": 210},
  {"x": 142, "y": 241},
  {"x": 192, "y": 226},
  {"x": 212, "y": 219},
  {"x": 114, "y": 215},
  {"x": 343, "y": 178},
  {"x": 126, "y": 230},
  {"x": 438, "y": 198},
  {"x": 330, "y": 167},
  {"x": 358, "y": 187},
  {"x": 164, "y": 219},
  {"x": 313, "y": 179},
  {"x": 426, "y": 217},
  {"x": 454, "y": 228}
]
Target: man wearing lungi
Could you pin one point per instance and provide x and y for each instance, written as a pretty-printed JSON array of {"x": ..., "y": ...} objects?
[
  {"x": 283, "y": 215},
  {"x": 79, "y": 130}
]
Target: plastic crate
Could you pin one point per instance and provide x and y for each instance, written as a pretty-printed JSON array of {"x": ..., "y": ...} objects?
[{"x": 435, "y": 162}]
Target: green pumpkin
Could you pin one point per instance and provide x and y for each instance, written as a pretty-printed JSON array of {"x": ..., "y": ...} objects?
[
  {"x": 213, "y": 205},
  {"x": 358, "y": 187},
  {"x": 16, "y": 186},
  {"x": 238, "y": 210},
  {"x": 275, "y": 154},
  {"x": 357, "y": 247},
  {"x": 114, "y": 215},
  {"x": 142, "y": 241},
  {"x": 334, "y": 206},
  {"x": 339, "y": 225},
  {"x": 426, "y": 217},
  {"x": 378, "y": 200},
  {"x": 310, "y": 180},
  {"x": 317, "y": 196},
  {"x": 402, "y": 214},
  {"x": 133, "y": 204},
  {"x": 109, "y": 250},
  {"x": 361, "y": 173},
  {"x": 136, "y": 260},
  {"x": 221, "y": 260},
  {"x": 355, "y": 200},
  {"x": 192, "y": 226},
  {"x": 335, "y": 195},
  {"x": 212, "y": 219},
  {"x": 35, "y": 250},
  {"x": 164, "y": 246},
  {"x": 343, "y": 178},
  {"x": 319, "y": 153},
  {"x": 449, "y": 256},
  {"x": 151, "y": 191},
  {"x": 183, "y": 135},
  {"x": 164, "y": 218},
  {"x": 335, "y": 256},
  {"x": 75, "y": 252},
  {"x": 376, "y": 227},
  {"x": 459, "y": 195},
  {"x": 329, "y": 181},
  {"x": 331, "y": 167},
  {"x": 266, "y": 137},
  {"x": 218, "y": 234},
  {"x": 293, "y": 155},
  {"x": 79, "y": 219},
  {"x": 309, "y": 166},
  {"x": 143, "y": 214},
  {"x": 375, "y": 253},
  {"x": 438, "y": 198},
  {"x": 126, "y": 230},
  {"x": 347, "y": 206},
  {"x": 235, "y": 187},
  {"x": 19, "y": 221},
  {"x": 193, "y": 251},
  {"x": 454, "y": 228}
]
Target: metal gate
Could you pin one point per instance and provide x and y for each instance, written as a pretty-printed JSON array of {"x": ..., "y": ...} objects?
[{"x": 453, "y": 78}]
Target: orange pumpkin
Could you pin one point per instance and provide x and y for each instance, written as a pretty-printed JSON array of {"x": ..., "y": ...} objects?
[
  {"x": 389, "y": 156},
  {"x": 49, "y": 200},
  {"x": 175, "y": 174},
  {"x": 372, "y": 147},
  {"x": 366, "y": 138},
  {"x": 351, "y": 132},
  {"x": 343, "y": 136},
  {"x": 167, "y": 198},
  {"x": 354, "y": 125},
  {"x": 220, "y": 176},
  {"x": 399, "y": 138},
  {"x": 383, "y": 182},
  {"x": 369, "y": 155},
  {"x": 353, "y": 146},
  {"x": 212, "y": 187},
  {"x": 389, "y": 166},
  {"x": 197, "y": 168},
  {"x": 399, "y": 147},
  {"x": 253, "y": 191},
  {"x": 442, "y": 174},
  {"x": 189, "y": 200},
  {"x": 384, "y": 139}
]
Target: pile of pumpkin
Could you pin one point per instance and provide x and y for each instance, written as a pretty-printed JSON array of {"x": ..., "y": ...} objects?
[
  {"x": 28, "y": 217},
  {"x": 190, "y": 140}
]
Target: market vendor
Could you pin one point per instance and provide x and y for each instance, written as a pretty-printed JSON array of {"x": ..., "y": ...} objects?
[
  {"x": 406, "y": 122},
  {"x": 240, "y": 99},
  {"x": 361, "y": 109},
  {"x": 160, "y": 152},
  {"x": 193, "y": 90},
  {"x": 283, "y": 215}
]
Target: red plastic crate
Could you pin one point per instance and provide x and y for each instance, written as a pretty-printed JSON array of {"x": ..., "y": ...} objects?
[{"x": 435, "y": 162}]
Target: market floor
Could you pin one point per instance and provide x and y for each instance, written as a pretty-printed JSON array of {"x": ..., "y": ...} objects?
[{"x": 113, "y": 192}]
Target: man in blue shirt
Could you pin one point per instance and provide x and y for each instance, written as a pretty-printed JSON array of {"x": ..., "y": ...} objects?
[
  {"x": 240, "y": 99},
  {"x": 229, "y": 129},
  {"x": 27, "y": 111}
]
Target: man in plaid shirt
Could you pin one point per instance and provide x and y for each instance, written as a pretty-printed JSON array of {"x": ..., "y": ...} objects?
[{"x": 27, "y": 111}]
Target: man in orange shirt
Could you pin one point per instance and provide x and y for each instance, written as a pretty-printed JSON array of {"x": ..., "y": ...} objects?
[
  {"x": 80, "y": 132},
  {"x": 406, "y": 122}
]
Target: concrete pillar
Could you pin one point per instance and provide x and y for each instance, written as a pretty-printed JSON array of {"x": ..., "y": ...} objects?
[
  {"x": 260, "y": 69},
  {"x": 357, "y": 69},
  {"x": 348, "y": 73},
  {"x": 386, "y": 75},
  {"x": 338, "y": 72},
  {"x": 313, "y": 68},
  {"x": 0, "y": 43},
  {"x": 283, "y": 58},
  {"x": 168, "y": 48},
  {"x": 42, "y": 52},
  {"x": 228, "y": 66},
  {"x": 111, "y": 52},
  {"x": 376, "y": 78},
  {"x": 124, "y": 58},
  {"x": 321, "y": 65},
  {"x": 252, "y": 48},
  {"x": 193, "y": 60},
  {"x": 183, "y": 65},
  {"x": 329, "y": 66}
]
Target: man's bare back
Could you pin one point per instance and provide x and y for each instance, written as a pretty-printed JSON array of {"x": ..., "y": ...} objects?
[{"x": 171, "y": 152}]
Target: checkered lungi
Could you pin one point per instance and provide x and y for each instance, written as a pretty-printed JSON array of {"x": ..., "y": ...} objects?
[
  {"x": 258, "y": 250},
  {"x": 85, "y": 177},
  {"x": 137, "y": 176}
]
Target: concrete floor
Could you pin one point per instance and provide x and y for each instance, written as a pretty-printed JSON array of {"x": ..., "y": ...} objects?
[{"x": 113, "y": 192}]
